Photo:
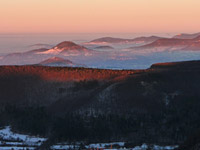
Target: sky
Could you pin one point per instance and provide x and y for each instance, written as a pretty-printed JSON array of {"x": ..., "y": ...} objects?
[{"x": 99, "y": 16}]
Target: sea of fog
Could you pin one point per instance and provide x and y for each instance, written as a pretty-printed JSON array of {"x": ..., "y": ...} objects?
[
  {"x": 20, "y": 42},
  {"x": 10, "y": 43}
]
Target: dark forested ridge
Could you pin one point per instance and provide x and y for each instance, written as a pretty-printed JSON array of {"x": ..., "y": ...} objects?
[
  {"x": 64, "y": 73},
  {"x": 159, "y": 105}
]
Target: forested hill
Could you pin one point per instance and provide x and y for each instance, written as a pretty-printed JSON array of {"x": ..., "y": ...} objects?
[
  {"x": 159, "y": 105},
  {"x": 64, "y": 73}
]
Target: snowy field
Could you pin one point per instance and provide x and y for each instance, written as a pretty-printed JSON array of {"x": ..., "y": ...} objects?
[
  {"x": 10, "y": 140},
  {"x": 15, "y": 141},
  {"x": 113, "y": 146}
]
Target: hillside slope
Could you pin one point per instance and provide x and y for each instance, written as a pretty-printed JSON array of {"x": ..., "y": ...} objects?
[
  {"x": 159, "y": 105},
  {"x": 59, "y": 62}
]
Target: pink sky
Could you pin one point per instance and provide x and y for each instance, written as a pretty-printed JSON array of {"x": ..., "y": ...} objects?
[{"x": 95, "y": 16}]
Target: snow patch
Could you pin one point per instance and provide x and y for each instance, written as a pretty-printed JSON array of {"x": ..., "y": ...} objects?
[
  {"x": 51, "y": 51},
  {"x": 10, "y": 140}
]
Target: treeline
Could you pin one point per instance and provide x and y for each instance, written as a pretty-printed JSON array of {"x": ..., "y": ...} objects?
[{"x": 65, "y": 73}]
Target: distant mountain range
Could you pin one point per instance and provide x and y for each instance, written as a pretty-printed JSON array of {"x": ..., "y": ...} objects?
[
  {"x": 150, "y": 39},
  {"x": 63, "y": 49},
  {"x": 172, "y": 44},
  {"x": 111, "y": 40},
  {"x": 187, "y": 36},
  {"x": 103, "y": 49}
]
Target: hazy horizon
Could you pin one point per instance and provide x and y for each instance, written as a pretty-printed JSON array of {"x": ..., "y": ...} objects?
[{"x": 105, "y": 16}]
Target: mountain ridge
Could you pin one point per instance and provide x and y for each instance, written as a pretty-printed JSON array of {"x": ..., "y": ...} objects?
[
  {"x": 171, "y": 43},
  {"x": 113, "y": 40},
  {"x": 186, "y": 36}
]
